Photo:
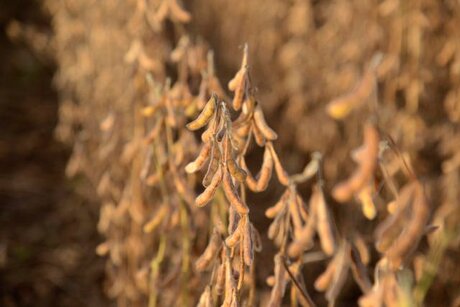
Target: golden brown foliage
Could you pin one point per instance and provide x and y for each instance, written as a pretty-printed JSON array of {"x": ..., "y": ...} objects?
[{"x": 172, "y": 198}]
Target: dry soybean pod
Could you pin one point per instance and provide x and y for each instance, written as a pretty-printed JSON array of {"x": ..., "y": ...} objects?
[
  {"x": 240, "y": 82},
  {"x": 230, "y": 285},
  {"x": 244, "y": 148},
  {"x": 414, "y": 230},
  {"x": 232, "y": 84},
  {"x": 199, "y": 162},
  {"x": 157, "y": 219},
  {"x": 282, "y": 236},
  {"x": 241, "y": 128},
  {"x": 235, "y": 171},
  {"x": 241, "y": 120},
  {"x": 241, "y": 124},
  {"x": 206, "y": 136},
  {"x": 162, "y": 11},
  {"x": 359, "y": 270},
  {"x": 258, "y": 136},
  {"x": 275, "y": 226},
  {"x": 213, "y": 164},
  {"x": 240, "y": 90},
  {"x": 264, "y": 176},
  {"x": 178, "y": 12},
  {"x": 209, "y": 253},
  {"x": 154, "y": 132},
  {"x": 304, "y": 240},
  {"x": 248, "y": 243},
  {"x": 235, "y": 81},
  {"x": 171, "y": 119},
  {"x": 240, "y": 144},
  {"x": 249, "y": 106},
  {"x": 213, "y": 126},
  {"x": 387, "y": 231},
  {"x": 340, "y": 274},
  {"x": 220, "y": 279},
  {"x": 233, "y": 219},
  {"x": 324, "y": 224},
  {"x": 205, "y": 116},
  {"x": 344, "y": 191},
  {"x": 361, "y": 247},
  {"x": 340, "y": 107},
  {"x": 241, "y": 269},
  {"x": 209, "y": 192},
  {"x": 367, "y": 203},
  {"x": 323, "y": 282},
  {"x": 235, "y": 237},
  {"x": 232, "y": 196},
  {"x": 393, "y": 226},
  {"x": 280, "y": 283},
  {"x": 302, "y": 208},
  {"x": 311, "y": 169},
  {"x": 283, "y": 177},
  {"x": 266, "y": 170},
  {"x": 280, "y": 205},
  {"x": 305, "y": 236},
  {"x": 294, "y": 212},
  {"x": 261, "y": 124}
]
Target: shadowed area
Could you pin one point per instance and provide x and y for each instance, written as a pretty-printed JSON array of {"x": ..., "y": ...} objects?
[{"x": 47, "y": 231}]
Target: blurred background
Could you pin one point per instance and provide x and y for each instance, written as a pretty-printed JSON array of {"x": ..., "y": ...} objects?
[
  {"x": 65, "y": 65},
  {"x": 47, "y": 230}
]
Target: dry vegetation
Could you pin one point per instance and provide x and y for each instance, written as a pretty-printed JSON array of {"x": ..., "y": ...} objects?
[{"x": 182, "y": 128}]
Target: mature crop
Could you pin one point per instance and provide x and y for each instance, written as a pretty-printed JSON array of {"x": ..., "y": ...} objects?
[{"x": 184, "y": 166}]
